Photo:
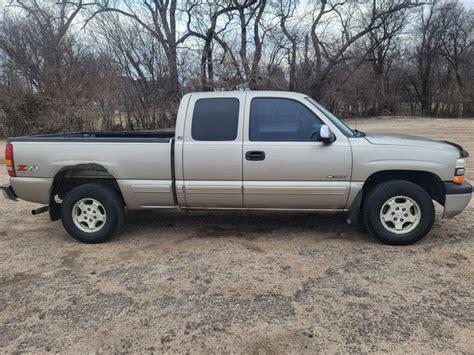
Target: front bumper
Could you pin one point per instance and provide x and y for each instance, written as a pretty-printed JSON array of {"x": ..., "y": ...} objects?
[
  {"x": 457, "y": 198},
  {"x": 8, "y": 192}
]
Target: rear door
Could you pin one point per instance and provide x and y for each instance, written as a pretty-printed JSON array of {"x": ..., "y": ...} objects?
[
  {"x": 212, "y": 150},
  {"x": 282, "y": 166}
]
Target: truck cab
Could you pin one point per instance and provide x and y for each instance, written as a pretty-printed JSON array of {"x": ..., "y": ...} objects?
[{"x": 259, "y": 150}]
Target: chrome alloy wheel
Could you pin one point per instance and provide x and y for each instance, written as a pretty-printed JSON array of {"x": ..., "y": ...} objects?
[
  {"x": 89, "y": 215},
  {"x": 400, "y": 214}
]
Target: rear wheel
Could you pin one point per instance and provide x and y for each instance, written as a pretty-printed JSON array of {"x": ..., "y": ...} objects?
[
  {"x": 398, "y": 212},
  {"x": 92, "y": 213}
]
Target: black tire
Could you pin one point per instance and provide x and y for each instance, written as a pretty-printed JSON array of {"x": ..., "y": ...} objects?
[
  {"x": 109, "y": 200},
  {"x": 380, "y": 194}
]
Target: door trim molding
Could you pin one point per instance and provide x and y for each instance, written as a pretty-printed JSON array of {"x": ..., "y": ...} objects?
[{"x": 296, "y": 188}]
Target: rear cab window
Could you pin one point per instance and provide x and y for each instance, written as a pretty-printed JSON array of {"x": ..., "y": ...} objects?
[{"x": 215, "y": 119}]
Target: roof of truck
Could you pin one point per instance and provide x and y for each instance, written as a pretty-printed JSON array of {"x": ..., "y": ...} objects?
[{"x": 288, "y": 94}]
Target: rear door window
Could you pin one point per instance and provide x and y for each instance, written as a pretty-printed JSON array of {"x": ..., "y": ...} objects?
[{"x": 215, "y": 119}]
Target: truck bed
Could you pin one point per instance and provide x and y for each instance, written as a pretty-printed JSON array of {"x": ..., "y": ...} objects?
[
  {"x": 100, "y": 136},
  {"x": 141, "y": 162}
]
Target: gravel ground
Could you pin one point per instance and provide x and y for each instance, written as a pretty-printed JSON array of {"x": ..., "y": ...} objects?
[{"x": 239, "y": 282}]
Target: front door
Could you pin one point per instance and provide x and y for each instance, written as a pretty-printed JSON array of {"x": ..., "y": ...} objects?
[{"x": 282, "y": 166}]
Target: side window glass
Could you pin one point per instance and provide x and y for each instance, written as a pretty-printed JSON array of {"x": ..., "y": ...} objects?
[
  {"x": 215, "y": 119},
  {"x": 275, "y": 119}
]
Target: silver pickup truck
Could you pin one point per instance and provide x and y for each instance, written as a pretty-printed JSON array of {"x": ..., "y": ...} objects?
[{"x": 241, "y": 150}]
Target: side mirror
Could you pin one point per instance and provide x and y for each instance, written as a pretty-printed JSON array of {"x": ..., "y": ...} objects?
[{"x": 324, "y": 134}]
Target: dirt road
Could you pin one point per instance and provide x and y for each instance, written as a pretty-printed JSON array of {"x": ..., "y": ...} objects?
[{"x": 239, "y": 282}]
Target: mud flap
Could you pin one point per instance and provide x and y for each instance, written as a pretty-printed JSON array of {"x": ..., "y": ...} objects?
[
  {"x": 354, "y": 212},
  {"x": 53, "y": 206}
]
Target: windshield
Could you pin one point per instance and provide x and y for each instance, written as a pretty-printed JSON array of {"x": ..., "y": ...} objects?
[{"x": 345, "y": 129}]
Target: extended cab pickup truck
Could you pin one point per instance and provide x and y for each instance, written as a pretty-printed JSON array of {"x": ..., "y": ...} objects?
[{"x": 241, "y": 150}]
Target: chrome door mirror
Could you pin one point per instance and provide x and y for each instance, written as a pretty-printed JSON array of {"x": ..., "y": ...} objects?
[{"x": 324, "y": 134}]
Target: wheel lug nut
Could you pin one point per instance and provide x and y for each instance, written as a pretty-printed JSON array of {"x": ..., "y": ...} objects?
[{"x": 406, "y": 215}]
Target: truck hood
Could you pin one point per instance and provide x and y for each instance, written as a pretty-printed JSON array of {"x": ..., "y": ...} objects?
[{"x": 412, "y": 141}]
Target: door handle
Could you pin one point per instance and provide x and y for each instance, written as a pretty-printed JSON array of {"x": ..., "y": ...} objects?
[{"x": 255, "y": 155}]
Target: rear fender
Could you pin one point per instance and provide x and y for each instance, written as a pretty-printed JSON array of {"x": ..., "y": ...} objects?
[{"x": 71, "y": 176}]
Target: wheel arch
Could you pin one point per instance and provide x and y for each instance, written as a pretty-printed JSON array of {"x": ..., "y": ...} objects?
[
  {"x": 69, "y": 177},
  {"x": 429, "y": 181}
]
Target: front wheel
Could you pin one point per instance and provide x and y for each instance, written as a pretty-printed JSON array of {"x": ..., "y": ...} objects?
[
  {"x": 398, "y": 212},
  {"x": 92, "y": 213}
]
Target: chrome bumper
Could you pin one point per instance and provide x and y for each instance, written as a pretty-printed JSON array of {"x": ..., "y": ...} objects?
[
  {"x": 8, "y": 192},
  {"x": 457, "y": 198}
]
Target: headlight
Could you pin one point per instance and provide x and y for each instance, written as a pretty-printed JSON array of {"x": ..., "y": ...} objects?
[{"x": 459, "y": 171}]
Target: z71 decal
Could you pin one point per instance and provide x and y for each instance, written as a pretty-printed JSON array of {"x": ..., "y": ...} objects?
[{"x": 27, "y": 168}]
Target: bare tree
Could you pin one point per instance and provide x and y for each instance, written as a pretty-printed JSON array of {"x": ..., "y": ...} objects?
[
  {"x": 53, "y": 69},
  {"x": 144, "y": 84},
  {"x": 205, "y": 15},
  {"x": 249, "y": 14},
  {"x": 457, "y": 27},
  {"x": 427, "y": 54},
  {"x": 328, "y": 55},
  {"x": 286, "y": 11},
  {"x": 381, "y": 48},
  {"x": 158, "y": 19}
]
